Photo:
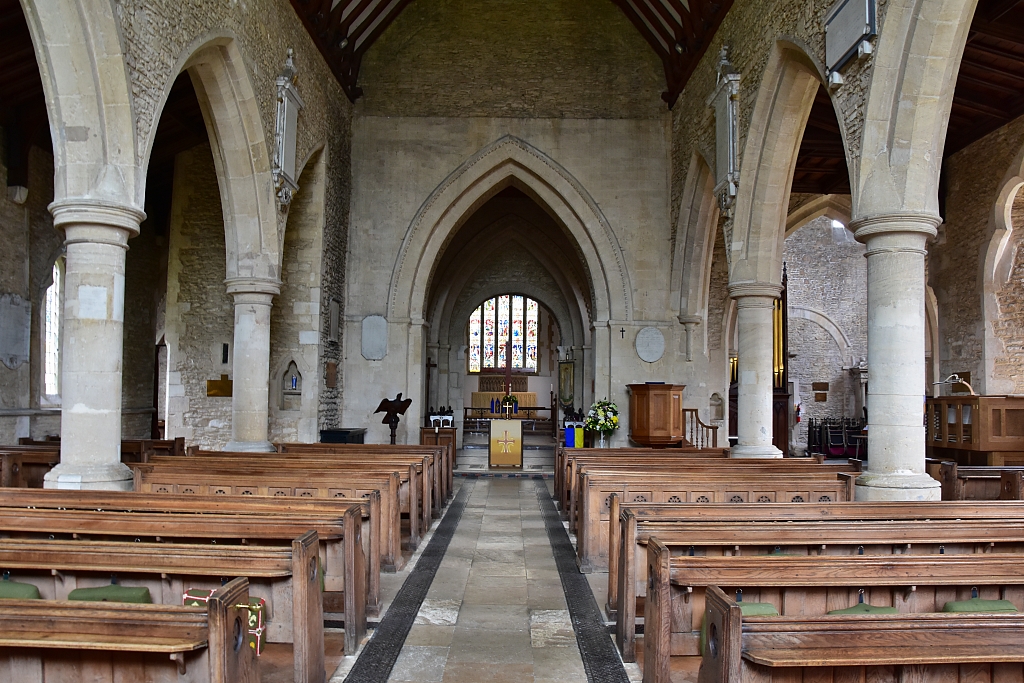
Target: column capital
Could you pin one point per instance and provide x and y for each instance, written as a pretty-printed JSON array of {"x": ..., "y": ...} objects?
[
  {"x": 754, "y": 294},
  {"x": 690, "y": 319},
  {"x": 255, "y": 290},
  {"x": 864, "y": 227},
  {"x": 92, "y": 220}
]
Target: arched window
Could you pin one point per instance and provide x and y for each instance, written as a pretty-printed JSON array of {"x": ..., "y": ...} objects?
[
  {"x": 51, "y": 333},
  {"x": 490, "y": 327}
]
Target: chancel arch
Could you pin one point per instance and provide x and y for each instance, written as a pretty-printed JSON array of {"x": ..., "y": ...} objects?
[{"x": 510, "y": 244}]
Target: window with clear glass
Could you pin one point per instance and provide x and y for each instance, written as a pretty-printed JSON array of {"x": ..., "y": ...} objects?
[
  {"x": 496, "y": 321},
  {"x": 51, "y": 335}
]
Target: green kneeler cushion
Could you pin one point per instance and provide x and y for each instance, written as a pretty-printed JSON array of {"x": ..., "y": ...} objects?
[
  {"x": 979, "y": 606},
  {"x": 112, "y": 593},
  {"x": 864, "y": 608},
  {"x": 13, "y": 590},
  {"x": 748, "y": 609}
]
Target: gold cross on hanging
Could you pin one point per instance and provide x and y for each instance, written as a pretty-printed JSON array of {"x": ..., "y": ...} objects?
[{"x": 506, "y": 443}]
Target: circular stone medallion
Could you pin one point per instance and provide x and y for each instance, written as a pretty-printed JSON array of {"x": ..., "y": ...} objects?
[{"x": 650, "y": 344}]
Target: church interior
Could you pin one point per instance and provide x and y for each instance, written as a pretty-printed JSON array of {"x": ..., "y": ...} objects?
[{"x": 511, "y": 340}]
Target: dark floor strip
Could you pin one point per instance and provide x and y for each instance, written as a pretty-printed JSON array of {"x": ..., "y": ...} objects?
[
  {"x": 380, "y": 653},
  {"x": 600, "y": 659}
]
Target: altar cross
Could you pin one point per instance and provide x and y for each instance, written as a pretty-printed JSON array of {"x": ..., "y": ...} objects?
[{"x": 506, "y": 443}]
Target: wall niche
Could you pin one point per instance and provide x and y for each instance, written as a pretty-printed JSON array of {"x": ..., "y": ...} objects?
[{"x": 291, "y": 388}]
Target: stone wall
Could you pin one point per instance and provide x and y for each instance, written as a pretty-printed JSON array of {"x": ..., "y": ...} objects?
[
  {"x": 200, "y": 314},
  {"x": 956, "y": 263},
  {"x": 145, "y": 286},
  {"x": 827, "y": 289},
  {"x": 295, "y": 320},
  {"x": 30, "y": 246},
  {"x": 512, "y": 59},
  {"x": 753, "y": 32}
]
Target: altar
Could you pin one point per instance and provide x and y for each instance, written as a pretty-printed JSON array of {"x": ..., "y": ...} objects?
[
  {"x": 482, "y": 399},
  {"x": 505, "y": 443}
]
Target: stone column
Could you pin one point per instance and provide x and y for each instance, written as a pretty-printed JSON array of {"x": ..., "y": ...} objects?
[
  {"x": 755, "y": 303},
  {"x": 896, "y": 369},
  {"x": 250, "y": 391},
  {"x": 97, "y": 234}
]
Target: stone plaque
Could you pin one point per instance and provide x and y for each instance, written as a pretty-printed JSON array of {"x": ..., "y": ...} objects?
[
  {"x": 375, "y": 337},
  {"x": 650, "y": 344},
  {"x": 15, "y": 330}
]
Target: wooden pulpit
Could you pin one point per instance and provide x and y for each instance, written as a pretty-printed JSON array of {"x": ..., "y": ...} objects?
[{"x": 656, "y": 414}]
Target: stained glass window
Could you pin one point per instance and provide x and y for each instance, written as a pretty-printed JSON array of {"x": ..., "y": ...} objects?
[
  {"x": 474, "y": 341},
  {"x": 493, "y": 323},
  {"x": 489, "y": 333},
  {"x": 51, "y": 336},
  {"x": 503, "y": 302},
  {"x": 517, "y": 331},
  {"x": 532, "y": 323}
]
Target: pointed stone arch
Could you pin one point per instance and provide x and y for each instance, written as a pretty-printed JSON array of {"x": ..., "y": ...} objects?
[
  {"x": 695, "y": 241},
  {"x": 253, "y": 229},
  {"x": 89, "y": 104},
  {"x": 509, "y": 160},
  {"x": 907, "y": 107},
  {"x": 781, "y": 110}
]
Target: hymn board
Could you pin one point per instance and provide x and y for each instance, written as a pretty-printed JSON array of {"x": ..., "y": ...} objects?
[{"x": 506, "y": 435}]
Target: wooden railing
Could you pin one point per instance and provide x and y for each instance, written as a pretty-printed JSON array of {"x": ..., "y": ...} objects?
[{"x": 696, "y": 432}]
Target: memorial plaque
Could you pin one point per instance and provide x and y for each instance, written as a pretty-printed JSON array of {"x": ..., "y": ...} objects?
[
  {"x": 15, "y": 330},
  {"x": 650, "y": 344},
  {"x": 375, "y": 337}
]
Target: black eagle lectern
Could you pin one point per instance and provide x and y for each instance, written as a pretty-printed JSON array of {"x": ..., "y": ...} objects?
[{"x": 393, "y": 408}]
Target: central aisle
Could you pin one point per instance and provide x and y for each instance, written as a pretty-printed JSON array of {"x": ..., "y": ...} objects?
[{"x": 495, "y": 610}]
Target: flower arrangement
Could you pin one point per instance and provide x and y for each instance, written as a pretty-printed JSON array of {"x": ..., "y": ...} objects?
[
  {"x": 510, "y": 402},
  {"x": 603, "y": 417}
]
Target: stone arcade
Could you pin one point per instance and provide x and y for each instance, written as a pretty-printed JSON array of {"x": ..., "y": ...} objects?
[{"x": 242, "y": 223}]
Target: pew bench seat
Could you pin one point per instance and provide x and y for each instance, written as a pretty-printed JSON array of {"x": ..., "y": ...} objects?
[
  {"x": 883, "y": 655},
  {"x": 54, "y": 640}
]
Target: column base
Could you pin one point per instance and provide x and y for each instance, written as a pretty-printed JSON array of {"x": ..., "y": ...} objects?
[
  {"x": 249, "y": 447},
  {"x": 740, "y": 451},
  {"x": 67, "y": 476},
  {"x": 896, "y": 487}
]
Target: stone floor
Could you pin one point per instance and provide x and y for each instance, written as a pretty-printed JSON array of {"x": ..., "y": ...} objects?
[{"x": 495, "y": 611}]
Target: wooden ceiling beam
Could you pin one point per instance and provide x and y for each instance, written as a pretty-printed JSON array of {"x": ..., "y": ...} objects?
[
  {"x": 655, "y": 24},
  {"x": 998, "y": 31},
  {"x": 382, "y": 26},
  {"x": 638, "y": 22}
]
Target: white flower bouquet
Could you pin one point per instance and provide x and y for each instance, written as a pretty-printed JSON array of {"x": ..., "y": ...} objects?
[{"x": 603, "y": 417}]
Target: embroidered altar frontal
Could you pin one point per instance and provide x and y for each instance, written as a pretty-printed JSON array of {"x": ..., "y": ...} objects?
[{"x": 506, "y": 443}]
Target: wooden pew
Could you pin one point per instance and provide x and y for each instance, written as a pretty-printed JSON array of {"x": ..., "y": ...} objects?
[
  {"x": 25, "y": 466},
  {"x": 343, "y": 563},
  {"x": 416, "y": 492},
  {"x": 987, "y": 648},
  {"x": 161, "y": 479},
  {"x": 45, "y": 641},
  {"x": 564, "y": 457},
  {"x": 811, "y": 586},
  {"x": 286, "y": 577},
  {"x": 747, "y": 486},
  {"x": 442, "y": 459},
  {"x": 691, "y": 465},
  {"x": 332, "y": 508},
  {"x": 977, "y": 482},
  {"x": 931, "y": 531}
]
